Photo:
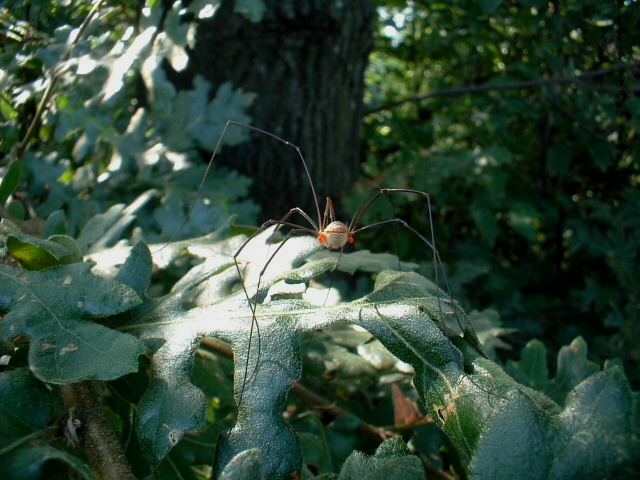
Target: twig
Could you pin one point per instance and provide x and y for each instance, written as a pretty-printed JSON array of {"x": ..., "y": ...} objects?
[
  {"x": 321, "y": 405},
  {"x": 94, "y": 432},
  {"x": 458, "y": 91},
  {"x": 434, "y": 473},
  {"x": 326, "y": 408}
]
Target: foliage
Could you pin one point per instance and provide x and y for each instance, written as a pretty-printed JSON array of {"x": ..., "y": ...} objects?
[
  {"x": 521, "y": 121},
  {"x": 116, "y": 127},
  {"x": 493, "y": 422},
  {"x": 79, "y": 303}
]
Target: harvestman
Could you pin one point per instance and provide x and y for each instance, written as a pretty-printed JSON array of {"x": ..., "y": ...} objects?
[{"x": 331, "y": 233}]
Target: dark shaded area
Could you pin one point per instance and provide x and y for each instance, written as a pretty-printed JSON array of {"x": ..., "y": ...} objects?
[{"x": 530, "y": 157}]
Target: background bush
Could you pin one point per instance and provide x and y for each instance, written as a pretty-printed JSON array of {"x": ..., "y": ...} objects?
[{"x": 521, "y": 121}]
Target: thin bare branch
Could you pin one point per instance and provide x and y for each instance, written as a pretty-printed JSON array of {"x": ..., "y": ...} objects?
[
  {"x": 526, "y": 84},
  {"x": 321, "y": 405}
]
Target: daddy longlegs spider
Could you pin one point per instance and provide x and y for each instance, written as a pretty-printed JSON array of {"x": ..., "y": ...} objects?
[{"x": 331, "y": 233}]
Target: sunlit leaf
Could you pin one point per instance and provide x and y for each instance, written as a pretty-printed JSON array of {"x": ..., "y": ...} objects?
[
  {"x": 53, "y": 309},
  {"x": 36, "y": 254},
  {"x": 482, "y": 410}
]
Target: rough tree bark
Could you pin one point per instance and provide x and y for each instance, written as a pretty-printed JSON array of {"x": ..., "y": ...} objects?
[{"x": 306, "y": 61}]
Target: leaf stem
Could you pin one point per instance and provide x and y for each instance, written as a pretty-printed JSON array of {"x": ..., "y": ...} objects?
[{"x": 95, "y": 433}]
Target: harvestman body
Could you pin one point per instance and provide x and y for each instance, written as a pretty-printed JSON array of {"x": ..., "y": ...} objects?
[{"x": 331, "y": 233}]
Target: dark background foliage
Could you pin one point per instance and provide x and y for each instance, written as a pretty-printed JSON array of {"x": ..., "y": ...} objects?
[{"x": 521, "y": 121}]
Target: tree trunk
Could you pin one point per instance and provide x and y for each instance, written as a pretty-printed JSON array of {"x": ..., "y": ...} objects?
[{"x": 306, "y": 61}]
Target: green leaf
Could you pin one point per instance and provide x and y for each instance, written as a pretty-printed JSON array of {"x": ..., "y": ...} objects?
[
  {"x": 16, "y": 209},
  {"x": 136, "y": 270},
  {"x": 37, "y": 254},
  {"x": 172, "y": 403},
  {"x": 523, "y": 218},
  {"x": 56, "y": 224},
  {"x": 105, "y": 229},
  {"x": 7, "y": 228},
  {"x": 30, "y": 462},
  {"x": 485, "y": 221},
  {"x": 392, "y": 460},
  {"x": 602, "y": 408},
  {"x": 491, "y": 6},
  {"x": 516, "y": 440},
  {"x": 487, "y": 325},
  {"x": 246, "y": 465},
  {"x": 315, "y": 445},
  {"x": 532, "y": 440},
  {"x": 44, "y": 175},
  {"x": 573, "y": 368},
  {"x": 177, "y": 32},
  {"x": 532, "y": 369},
  {"x": 10, "y": 180},
  {"x": 52, "y": 308},
  {"x": 251, "y": 9},
  {"x": 24, "y": 407},
  {"x": 203, "y": 8},
  {"x": 559, "y": 158},
  {"x": 602, "y": 152},
  {"x": 195, "y": 118}
]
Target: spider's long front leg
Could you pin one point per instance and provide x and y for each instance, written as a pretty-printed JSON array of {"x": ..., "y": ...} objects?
[{"x": 253, "y": 305}]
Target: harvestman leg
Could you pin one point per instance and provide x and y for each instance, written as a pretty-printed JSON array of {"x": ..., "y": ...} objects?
[
  {"x": 213, "y": 156},
  {"x": 364, "y": 206},
  {"x": 254, "y": 305},
  {"x": 318, "y": 229},
  {"x": 436, "y": 255},
  {"x": 296, "y": 228}
]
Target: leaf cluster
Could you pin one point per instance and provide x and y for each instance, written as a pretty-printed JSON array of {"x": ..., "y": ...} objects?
[
  {"x": 171, "y": 394},
  {"x": 115, "y": 126}
]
